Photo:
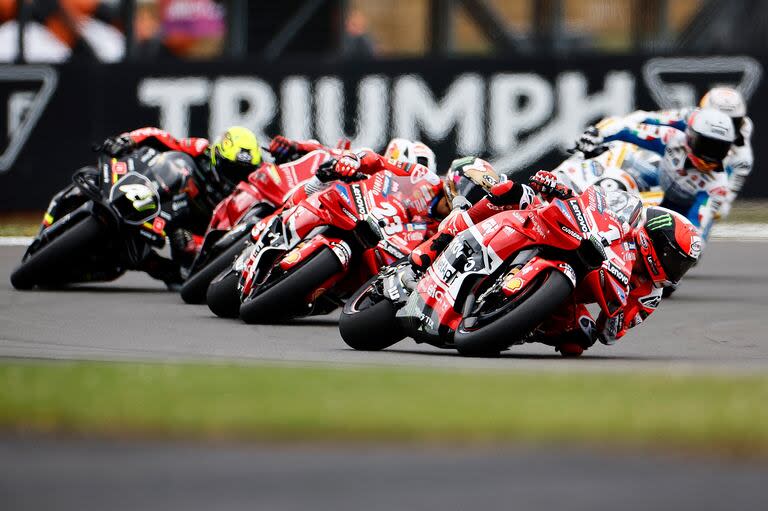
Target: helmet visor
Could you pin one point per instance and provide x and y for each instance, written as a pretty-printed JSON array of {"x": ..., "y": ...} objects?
[
  {"x": 675, "y": 263},
  {"x": 708, "y": 149}
]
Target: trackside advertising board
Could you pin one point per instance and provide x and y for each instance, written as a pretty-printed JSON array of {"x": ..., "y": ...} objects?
[{"x": 520, "y": 114}]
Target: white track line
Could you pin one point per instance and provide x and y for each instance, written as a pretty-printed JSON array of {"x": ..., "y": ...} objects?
[
  {"x": 15, "y": 241},
  {"x": 744, "y": 232}
]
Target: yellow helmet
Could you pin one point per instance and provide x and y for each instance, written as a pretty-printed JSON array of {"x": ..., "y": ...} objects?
[{"x": 235, "y": 154}]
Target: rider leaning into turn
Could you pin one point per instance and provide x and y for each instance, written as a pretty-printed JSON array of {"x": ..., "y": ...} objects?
[
  {"x": 220, "y": 166},
  {"x": 434, "y": 197},
  {"x": 691, "y": 171},
  {"x": 664, "y": 244},
  {"x": 740, "y": 160}
]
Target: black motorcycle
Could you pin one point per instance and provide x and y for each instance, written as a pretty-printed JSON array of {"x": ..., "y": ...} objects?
[{"x": 113, "y": 218}]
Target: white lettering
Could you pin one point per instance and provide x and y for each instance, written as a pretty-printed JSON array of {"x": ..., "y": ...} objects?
[
  {"x": 415, "y": 111},
  {"x": 247, "y": 102},
  {"x": 174, "y": 96}
]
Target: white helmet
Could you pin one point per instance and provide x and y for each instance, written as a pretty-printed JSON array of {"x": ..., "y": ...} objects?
[
  {"x": 402, "y": 149},
  {"x": 727, "y": 100},
  {"x": 709, "y": 136}
]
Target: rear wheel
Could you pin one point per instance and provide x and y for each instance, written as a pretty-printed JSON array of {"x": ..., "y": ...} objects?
[
  {"x": 222, "y": 296},
  {"x": 196, "y": 286},
  {"x": 368, "y": 320},
  {"x": 283, "y": 297},
  {"x": 42, "y": 267},
  {"x": 498, "y": 324}
]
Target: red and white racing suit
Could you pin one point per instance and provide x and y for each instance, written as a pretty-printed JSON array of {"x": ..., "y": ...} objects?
[
  {"x": 572, "y": 323},
  {"x": 418, "y": 203}
]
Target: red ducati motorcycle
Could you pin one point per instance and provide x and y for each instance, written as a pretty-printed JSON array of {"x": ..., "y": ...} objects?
[
  {"x": 309, "y": 258},
  {"x": 265, "y": 191},
  {"x": 498, "y": 281}
]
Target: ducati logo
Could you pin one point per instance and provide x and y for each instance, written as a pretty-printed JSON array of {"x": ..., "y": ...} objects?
[
  {"x": 24, "y": 94},
  {"x": 681, "y": 81}
]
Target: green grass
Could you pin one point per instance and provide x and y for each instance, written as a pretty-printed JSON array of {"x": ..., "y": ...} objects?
[
  {"x": 20, "y": 224},
  {"x": 747, "y": 211},
  {"x": 709, "y": 413}
]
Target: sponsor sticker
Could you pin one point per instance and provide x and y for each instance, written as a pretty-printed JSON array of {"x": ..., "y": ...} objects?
[{"x": 514, "y": 284}]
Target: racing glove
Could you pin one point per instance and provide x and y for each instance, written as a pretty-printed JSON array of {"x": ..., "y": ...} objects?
[
  {"x": 546, "y": 184},
  {"x": 346, "y": 168},
  {"x": 589, "y": 142},
  {"x": 283, "y": 149},
  {"x": 116, "y": 146}
]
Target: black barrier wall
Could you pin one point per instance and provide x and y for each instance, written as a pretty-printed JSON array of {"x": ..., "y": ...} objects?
[{"x": 519, "y": 114}]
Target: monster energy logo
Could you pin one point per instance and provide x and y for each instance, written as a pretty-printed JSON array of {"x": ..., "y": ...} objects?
[{"x": 659, "y": 222}]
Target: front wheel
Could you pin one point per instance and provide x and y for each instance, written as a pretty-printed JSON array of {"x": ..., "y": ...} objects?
[
  {"x": 283, "y": 297},
  {"x": 493, "y": 328},
  {"x": 54, "y": 258},
  {"x": 222, "y": 296},
  {"x": 195, "y": 288},
  {"x": 368, "y": 322}
]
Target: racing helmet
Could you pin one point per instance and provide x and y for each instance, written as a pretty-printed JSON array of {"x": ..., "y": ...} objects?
[
  {"x": 730, "y": 102},
  {"x": 402, "y": 149},
  {"x": 235, "y": 155},
  {"x": 709, "y": 136},
  {"x": 669, "y": 245},
  {"x": 471, "y": 178}
]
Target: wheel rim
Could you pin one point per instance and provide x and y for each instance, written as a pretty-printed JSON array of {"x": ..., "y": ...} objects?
[{"x": 500, "y": 306}]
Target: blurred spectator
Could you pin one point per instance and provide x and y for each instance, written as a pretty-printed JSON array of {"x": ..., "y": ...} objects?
[
  {"x": 57, "y": 31},
  {"x": 40, "y": 45},
  {"x": 357, "y": 41},
  {"x": 193, "y": 28},
  {"x": 148, "y": 31}
]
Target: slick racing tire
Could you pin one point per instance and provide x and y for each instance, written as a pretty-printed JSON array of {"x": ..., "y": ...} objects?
[
  {"x": 492, "y": 337},
  {"x": 369, "y": 325},
  {"x": 222, "y": 296},
  {"x": 41, "y": 267},
  {"x": 195, "y": 288},
  {"x": 283, "y": 297}
]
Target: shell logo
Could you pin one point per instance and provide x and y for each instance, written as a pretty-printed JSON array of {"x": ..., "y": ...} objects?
[
  {"x": 514, "y": 284},
  {"x": 292, "y": 257}
]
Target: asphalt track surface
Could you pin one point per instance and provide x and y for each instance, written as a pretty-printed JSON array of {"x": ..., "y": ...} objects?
[
  {"x": 717, "y": 319},
  {"x": 77, "y": 475}
]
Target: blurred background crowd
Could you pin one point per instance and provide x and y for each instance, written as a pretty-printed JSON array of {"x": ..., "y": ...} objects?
[{"x": 115, "y": 30}]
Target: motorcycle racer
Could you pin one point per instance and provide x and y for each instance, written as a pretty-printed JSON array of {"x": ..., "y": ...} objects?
[
  {"x": 229, "y": 160},
  {"x": 402, "y": 157},
  {"x": 220, "y": 166},
  {"x": 691, "y": 171},
  {"x": 738, "y": 163},
  {"x": 664, "y": 244}
]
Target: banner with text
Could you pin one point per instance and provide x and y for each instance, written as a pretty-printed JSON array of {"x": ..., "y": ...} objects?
[{"x": 521, "y": 115}]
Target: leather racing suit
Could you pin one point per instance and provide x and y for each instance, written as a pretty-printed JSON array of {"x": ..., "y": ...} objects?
[
  {"x": 685, "y": 187},
  {"x": 739, "y": 162}
]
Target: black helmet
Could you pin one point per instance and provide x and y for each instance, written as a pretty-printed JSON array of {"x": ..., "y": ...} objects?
[
  {"x": 471, "y": 178},
  {"x": 669, "y": 244}
]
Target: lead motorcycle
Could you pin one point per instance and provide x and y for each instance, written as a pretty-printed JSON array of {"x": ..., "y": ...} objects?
[
  {"x": 111, "y": 218},
  {"x": 498, "y": 281},
  {"x": 233, "y": 219},
  {"x": 308, "y": 259}
]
